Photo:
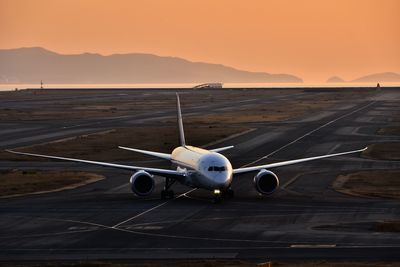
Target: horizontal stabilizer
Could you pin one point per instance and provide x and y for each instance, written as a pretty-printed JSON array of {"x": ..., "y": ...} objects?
[
  {"x": 221, "y": 149},
  {"x": 151, "y": 153}
]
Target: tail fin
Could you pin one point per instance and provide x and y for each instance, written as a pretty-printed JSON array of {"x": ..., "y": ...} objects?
[{"x": 180, "y": 122}]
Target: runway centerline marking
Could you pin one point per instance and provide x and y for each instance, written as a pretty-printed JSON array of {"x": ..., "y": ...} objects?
[{"x": 308, "y": 133}]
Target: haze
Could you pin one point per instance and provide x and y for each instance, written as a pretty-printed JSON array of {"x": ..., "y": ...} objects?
[{"x": 312, "y": 39}]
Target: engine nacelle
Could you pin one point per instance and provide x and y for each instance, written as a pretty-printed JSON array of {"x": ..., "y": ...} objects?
[
  {"x": 266, "y": 182},
  {"x": 142, "y": 183}
]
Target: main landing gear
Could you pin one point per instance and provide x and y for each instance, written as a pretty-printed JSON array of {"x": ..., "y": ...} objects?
[{"x": 166, "y": 193}]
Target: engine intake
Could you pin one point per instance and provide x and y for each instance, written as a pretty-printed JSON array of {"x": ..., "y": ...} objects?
[
  {"x": 266, "y": 182},
  {"x": 142, "y": 183}
]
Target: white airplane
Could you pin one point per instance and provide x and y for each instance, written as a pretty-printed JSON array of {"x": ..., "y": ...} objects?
[{"x": 195, "y": 167}]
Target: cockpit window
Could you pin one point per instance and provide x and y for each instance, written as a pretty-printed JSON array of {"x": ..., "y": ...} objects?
[
  {"x": 216, "y": 169},
  {"x": 219, "y": 169}
]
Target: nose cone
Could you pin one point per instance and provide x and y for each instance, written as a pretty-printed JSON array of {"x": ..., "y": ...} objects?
[
  {"x": 217, "y": 170},
  {"x": 222, "y": 180}
]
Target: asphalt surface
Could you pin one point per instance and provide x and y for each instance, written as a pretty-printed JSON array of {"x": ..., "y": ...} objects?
[{"x": 304, "y": 219}]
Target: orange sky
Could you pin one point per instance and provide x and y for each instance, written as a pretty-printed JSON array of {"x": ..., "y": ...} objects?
[{"x": 313, "y": 39}]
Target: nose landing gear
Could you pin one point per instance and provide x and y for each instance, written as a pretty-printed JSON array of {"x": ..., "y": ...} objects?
[{"x": 219, "y": 195}]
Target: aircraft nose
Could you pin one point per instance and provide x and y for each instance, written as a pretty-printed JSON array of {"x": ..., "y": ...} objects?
[{"x": 223, "y": 181}]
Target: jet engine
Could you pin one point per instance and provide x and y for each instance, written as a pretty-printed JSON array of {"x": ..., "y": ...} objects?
[
  {"x": 266, "y": 182},
  {"x": 142, "y": 183}
]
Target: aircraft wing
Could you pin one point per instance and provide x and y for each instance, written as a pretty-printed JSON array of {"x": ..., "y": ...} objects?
[
  {"x": 150, "y": 153},
  {"x": 290, "y": 162},
  {"x": 221, "y": 149},
  {"x": 161, "y": 172}
]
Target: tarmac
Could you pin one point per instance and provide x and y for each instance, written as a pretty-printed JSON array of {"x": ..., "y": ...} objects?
[{"x": 305, "y": 219}]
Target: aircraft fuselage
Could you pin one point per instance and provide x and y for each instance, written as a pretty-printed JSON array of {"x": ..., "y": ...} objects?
[{"x": 205, "y": 169}]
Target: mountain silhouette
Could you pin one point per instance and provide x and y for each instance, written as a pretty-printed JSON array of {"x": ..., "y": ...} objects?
[
  {"x": 30, "y": 65},
  {"x": 375, "y": 78},
  {"x": 379, "y": 77},
  {"x": 335, "y": 79}
]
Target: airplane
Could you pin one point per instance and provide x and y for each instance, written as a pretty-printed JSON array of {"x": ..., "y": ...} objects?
[{"x": 195, "y": 167}]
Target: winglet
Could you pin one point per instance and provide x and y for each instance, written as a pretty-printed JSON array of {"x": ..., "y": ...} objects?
[{"x": 180, "y": 122}]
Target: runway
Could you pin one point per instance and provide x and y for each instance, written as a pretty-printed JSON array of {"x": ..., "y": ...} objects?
[{"x": 305, "y": 219}]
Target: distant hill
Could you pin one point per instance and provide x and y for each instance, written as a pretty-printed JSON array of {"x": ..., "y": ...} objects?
[
  {"x": 380, "y": 77},
  {"x": 375, "y": 78},
  {"x": 30, "y": 65},
  {"x": 335, "y": 79}
]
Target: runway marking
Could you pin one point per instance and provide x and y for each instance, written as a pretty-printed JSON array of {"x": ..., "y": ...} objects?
[
  {"x": 334, "y": 148},
  {"x": 118, "y": 188},
  {"x": 189, "y": 237},
  {"x": 192, "y": 248},
  {"x": 151, "y": 209},
  {"x": 49, "y": 234},
  {"x": 275, "y": 215},
  {"x": 313, "y": 246},
  {"x": 309, "y": 133},
  {"x": 162, "y": 235},
  {"x": 292, "y": 180}
]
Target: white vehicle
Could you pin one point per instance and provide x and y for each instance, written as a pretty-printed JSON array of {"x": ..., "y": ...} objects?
[{"x": 195, "y": 167}]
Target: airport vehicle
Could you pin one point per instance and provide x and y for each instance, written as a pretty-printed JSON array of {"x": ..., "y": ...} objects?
[{"x": 195, "y": 167}]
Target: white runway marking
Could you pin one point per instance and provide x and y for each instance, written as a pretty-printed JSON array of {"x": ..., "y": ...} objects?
[
  {"x": 194, "y": 248},
  {"x": 313, "y": 246},
  {"x": 284, "y": 243},
  {"x": 151, "y": 209},
  {"x": 307, "y": 134},
  {"x": 49, "y": 234}
]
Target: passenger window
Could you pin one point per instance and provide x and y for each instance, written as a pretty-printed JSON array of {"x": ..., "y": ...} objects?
[{"x": 210, "y": 169}]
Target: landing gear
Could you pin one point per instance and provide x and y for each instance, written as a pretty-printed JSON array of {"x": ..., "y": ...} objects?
[
  {"x": 220, "y": 195},
  {"x": 166, "y": 193},
  {"x": 217, "y": 196}
]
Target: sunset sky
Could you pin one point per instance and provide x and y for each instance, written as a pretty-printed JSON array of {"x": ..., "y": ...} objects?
[{"x": 313, "y": 39}]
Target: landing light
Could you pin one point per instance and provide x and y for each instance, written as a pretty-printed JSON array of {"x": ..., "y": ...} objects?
[{"x": 217, "y": 191}]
